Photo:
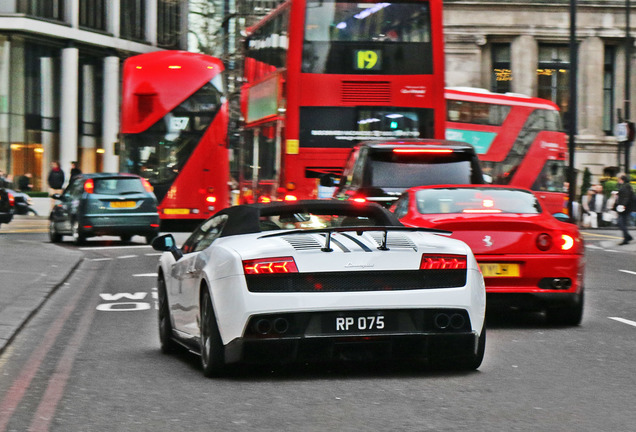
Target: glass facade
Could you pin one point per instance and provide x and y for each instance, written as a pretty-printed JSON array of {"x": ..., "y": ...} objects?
[
  {"x": 51, "y": 9},
  {"x": 92, "y": 14},
  {"x": 553, "y": 75},
  {"x": 501, "y": 78},
  {"x": 169, "y": 23},
  {"x": 609, "y": 119},
  {"x": 133, "y": 19}
]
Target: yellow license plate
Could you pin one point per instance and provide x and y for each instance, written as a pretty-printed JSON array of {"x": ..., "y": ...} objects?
[
  {"x": 123, "y": 204},
  {"x": 176, "y": 211},
  {"x": 499, "y": 270}
]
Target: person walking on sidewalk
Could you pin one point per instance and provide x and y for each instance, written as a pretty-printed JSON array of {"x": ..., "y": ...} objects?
[{"x": 623, "y": 206}]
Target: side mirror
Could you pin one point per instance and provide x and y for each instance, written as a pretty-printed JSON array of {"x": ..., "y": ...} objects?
[
  {"x": 167, "y": 243},
  {"x": 562, "y": 217}
]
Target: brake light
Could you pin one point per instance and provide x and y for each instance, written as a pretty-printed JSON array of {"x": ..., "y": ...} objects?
[
  {"x": 11, "y": 199},
  {"x": 210, "y": 199},
  {"x": 568, "y": 242},
  {"x": 544, "y": 241},
  {"x": 290, "y": 197},
  {"x": 89, "y": 186},
  {"x": 359, "y": 200},
  {"x": 443, "y": 262},
  {"x": 264, "y": 199},
  {"x": 414, "y": 151},
  {"x": 270, "y": 266},
  {"x": 147, "y": 185}
]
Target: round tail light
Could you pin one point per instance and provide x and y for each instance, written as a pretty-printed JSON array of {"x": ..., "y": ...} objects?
[{"x": 544, "y": 241}]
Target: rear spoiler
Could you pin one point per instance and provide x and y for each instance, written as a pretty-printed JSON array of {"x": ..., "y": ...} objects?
[{"x": 358, "y": 230}]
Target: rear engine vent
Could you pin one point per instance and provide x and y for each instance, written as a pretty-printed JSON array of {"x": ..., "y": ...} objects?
[
  {"x": 394, "y": 241},
  {"x": 365, "y": 92},
  {"x": 302, "y": 242}
]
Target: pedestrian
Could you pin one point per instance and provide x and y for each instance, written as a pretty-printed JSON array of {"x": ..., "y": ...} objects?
[
  {"x": 624, "y": 206},
  {"x": 25, "y": 182},
  {"x": 56, "y": 178},
  {"x": 75, "y": 171},
  {"x": 590, "y": 216}
]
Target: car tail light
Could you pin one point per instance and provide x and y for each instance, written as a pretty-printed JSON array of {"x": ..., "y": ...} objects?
[
  {"x": 568, "y": 242},
  {"x": 89, "y": 186},
  {"x": 359, "y": 199},
  {"x": 270, "y": 266},
  {"x": 443, "y": 262},
  {"x": 290, "y": 197},
  {"x": 147, "y": 185},
  {"x": 210, "y": 199},
  {"x": 11, "y": 199},
  {"x": 264, "y": 199},
  {"x": 544, "y": 241}
]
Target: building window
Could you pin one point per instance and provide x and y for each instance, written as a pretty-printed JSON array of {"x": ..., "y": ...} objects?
[
  {"x": 92, "y": 14},
  {"x": 501, "y": 69},
  {"x": 553, "y": 75},
  {"x": 168, "y": 23},
  {"x": 52, "y": 9},
  {"x": 608, "y": 90},
  {"x": 133, "y": 23}
]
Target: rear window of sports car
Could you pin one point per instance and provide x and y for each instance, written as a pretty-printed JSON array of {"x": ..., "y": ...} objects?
[
  {"x": 476, "y": 200},
  {"x": 313, "y": 221}
]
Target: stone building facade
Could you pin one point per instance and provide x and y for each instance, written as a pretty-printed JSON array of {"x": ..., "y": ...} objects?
[{"x": 523, "y": 47}]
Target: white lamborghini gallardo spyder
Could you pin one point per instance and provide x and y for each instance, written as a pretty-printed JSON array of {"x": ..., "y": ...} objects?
[{"x": 313, "y": 281}]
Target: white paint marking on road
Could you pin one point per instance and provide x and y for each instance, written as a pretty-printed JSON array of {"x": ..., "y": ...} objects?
[
  {"x": 127, "y": 256},
  {"x": 627, "y": 271},
  {"x": 624, "y": 321},
  {"x": 154, "y": 254},
  {"x": 101, "y": 259},
  {"x": 145, "y": 275},
  {"x": 114, "y": 247},
  {"x": 593, "y": 247}
]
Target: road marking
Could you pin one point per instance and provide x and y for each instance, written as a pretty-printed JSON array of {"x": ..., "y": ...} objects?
[
  {"x": 127, "y": 256},
  {"x": 113, "y": 247},
  {"x": 589, "y": 234},
  {"x": 624, "y": 321},
  {"x": 101, "y": 259},
  {"x": 154, "y": 254},
  {"x": 627, "y": 271},
  {"x": 145, "y": 275}
]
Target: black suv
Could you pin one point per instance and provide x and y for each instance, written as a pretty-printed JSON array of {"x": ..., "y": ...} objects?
[{"x": 381, "y": 171}]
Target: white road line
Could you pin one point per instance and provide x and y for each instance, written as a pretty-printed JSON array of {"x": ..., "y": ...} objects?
[
  {"x": 145, "y": 275},
  {"x": 102, "y": 259},
  {"x": 127, "y": 256},
  {"x": 114, "y": 247},
  {"x": 627, "y": 271},
  {"x": 624, "y": 321},
  {"x": 153, "y": 254}
]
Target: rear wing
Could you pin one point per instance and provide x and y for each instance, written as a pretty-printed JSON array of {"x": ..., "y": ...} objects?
[{"x": 358, "y": 230}]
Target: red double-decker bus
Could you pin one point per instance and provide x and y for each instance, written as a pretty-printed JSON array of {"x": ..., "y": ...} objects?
[
  {"x": 518, "y": 139},
  {"x": 174, "y": 121},
  {"x": 344, "y": 72}
]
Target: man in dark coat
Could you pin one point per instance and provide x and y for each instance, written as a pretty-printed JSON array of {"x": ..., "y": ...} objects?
[
  {"x": 624, "y": 206},
  {"x": 56, "y": 178}
]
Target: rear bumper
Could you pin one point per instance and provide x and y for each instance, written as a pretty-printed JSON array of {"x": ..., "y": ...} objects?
[
  {"x": 374, "y": 348},
  {"x": 532, "y": 301},
  {"x": 120, "y": 224}
]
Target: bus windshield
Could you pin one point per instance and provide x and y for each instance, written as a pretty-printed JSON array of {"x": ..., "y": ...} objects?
[
  {"x": 159, "y": 153},
  {"x": 356, "y": 37}
]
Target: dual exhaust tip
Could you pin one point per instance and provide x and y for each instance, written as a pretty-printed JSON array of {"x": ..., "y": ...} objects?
[
  {"x": 444, "y": 321},
  {"x": 267, "y": 326}
]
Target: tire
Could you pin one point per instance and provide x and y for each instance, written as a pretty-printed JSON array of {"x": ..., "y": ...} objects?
[
  {"x": 125, "y": 238},
  {"x": 78, "y": 237},
  {"x": 168, "y": 345},
  {"x": 467, "y": 362},
  {"x": 567, "y": 316},
  {"x": 54, "y": 236},
  {"x": 212, "y": 352}
]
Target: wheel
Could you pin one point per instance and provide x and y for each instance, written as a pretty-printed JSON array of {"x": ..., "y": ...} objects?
[
  {"x": 212, "y": 354},
  {"x": 54, "y": 236},
  {"x": 571, "y": 315},
  {"x": 125, "y": 238},
  {"x": 150, "y": 237},
  {"x": 467, "y": 362},
  {"x": 78, "y": 237},
  {"x": 168, "y": 345}
]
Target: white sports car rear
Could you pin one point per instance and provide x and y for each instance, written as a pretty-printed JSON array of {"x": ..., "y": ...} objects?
[{"x": 319, "y": 281}]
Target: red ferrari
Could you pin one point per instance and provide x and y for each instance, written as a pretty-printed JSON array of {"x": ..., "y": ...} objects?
[{"x": 529, "y": 259}]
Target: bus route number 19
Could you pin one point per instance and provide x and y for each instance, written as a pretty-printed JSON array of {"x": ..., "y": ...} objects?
[{"x": 368, "y": 60}]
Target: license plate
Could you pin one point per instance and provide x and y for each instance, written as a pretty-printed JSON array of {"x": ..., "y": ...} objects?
[
  {"x": 367, "y": 322},
  {"x": 123, "y": 204},
  {"x": 499, "y": 269},
  {"x": 176, "y": 211}
]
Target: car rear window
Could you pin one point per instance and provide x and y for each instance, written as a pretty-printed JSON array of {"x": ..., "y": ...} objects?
[
  {"x": 118, "y": 186},
  {"x": 391, "y": 170},
  {"x": 314, "y": 221},
  {"x": 476, "y": 200}
]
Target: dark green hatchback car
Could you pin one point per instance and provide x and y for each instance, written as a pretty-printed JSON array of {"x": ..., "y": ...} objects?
[{"x": 105, "y": 204}]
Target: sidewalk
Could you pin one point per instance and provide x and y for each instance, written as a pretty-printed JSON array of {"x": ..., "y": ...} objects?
[{"x": 30, "y": 272}]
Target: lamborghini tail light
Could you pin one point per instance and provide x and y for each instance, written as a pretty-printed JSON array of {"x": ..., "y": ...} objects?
[
  {"x": 270, "y": 266},
  {"x": 443, "y": 262}
]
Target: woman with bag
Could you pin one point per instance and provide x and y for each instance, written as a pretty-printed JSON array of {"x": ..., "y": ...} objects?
[{"x": 623, "y": 206}]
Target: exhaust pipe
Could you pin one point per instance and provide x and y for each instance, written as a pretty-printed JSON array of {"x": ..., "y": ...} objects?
[
  {"x": 442, "y": 321},
  {"x": 281, "y": 325},
  {"x": 262, "y": 326}
]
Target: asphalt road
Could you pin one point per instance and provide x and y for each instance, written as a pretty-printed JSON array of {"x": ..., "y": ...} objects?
[{"x": 89, "y": 360}]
